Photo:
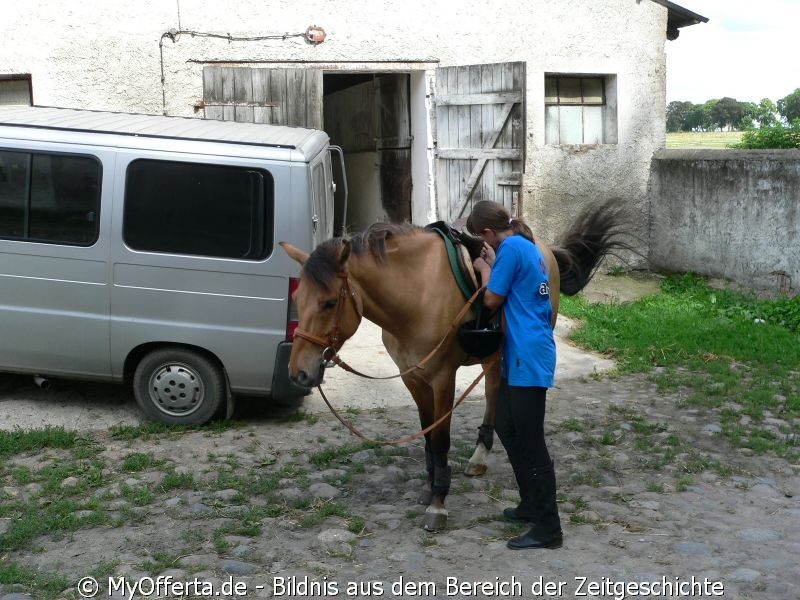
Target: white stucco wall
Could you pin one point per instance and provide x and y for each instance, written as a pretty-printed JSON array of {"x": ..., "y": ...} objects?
[{"x": 105, "y": 55}]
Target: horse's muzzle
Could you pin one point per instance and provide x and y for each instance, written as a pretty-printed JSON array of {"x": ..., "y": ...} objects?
[{"x": 308, "y": 380}]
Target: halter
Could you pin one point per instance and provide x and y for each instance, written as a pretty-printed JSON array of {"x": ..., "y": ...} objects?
[{"x": 331, "y": 341}]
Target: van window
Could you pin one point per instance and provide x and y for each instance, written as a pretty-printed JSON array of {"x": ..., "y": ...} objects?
[
  {"x": 49, "y": 197},
  {"x": 198, "y": 209}
]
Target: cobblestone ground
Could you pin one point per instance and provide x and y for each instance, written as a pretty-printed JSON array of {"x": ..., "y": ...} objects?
[{"x": 649, "y": 494}]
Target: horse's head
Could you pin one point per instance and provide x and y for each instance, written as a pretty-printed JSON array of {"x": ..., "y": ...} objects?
[{"x": 329, "y": 311}]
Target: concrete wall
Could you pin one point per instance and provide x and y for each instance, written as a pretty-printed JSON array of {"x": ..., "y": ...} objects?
[
  {"x": 105, "y": 54},
  {"x": 727, "y": 213}
]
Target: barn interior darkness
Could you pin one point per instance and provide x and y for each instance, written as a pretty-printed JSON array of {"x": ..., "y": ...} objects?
[{"x": 368, "y": 115}]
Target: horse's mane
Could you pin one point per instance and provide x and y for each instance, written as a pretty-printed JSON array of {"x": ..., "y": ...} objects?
[{"x": 322, "y": 266}]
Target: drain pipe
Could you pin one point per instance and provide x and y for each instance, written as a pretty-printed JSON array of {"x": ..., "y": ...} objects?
[{"x": 42, "y": 382}]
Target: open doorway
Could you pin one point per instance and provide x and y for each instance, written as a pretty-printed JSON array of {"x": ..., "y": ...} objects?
[{"x": 369, "y": 116}]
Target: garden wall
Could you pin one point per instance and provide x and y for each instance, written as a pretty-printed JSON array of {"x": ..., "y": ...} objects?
[{"x": 727, "y": 213}]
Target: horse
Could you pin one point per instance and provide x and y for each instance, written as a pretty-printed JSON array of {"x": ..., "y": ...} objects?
[{"x": 399, "y": 277}]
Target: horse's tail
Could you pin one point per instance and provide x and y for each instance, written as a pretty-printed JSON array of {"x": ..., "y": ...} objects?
[{"x": 598, "y": 231}]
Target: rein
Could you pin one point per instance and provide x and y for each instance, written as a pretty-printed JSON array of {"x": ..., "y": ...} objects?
[{"x": 422, "y": 432}]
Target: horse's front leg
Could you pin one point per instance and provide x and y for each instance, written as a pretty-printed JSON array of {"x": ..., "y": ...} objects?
[
  {"x": 433, "y": 401},
  {"x": 477, "y": 463},
  {"x": 437, "y": 447}
]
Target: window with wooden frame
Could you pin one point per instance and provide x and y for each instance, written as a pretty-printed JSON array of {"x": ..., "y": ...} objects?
[{"x": 580, "y": 109}]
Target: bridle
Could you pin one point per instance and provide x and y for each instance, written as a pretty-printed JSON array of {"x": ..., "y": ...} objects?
[{"x": 332, "y": 341}]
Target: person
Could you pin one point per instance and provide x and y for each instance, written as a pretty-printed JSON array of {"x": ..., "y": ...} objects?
[{"x": 515, "y": 275}]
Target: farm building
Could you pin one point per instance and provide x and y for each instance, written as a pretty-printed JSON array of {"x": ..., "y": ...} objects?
[{"x": 543, "y": 105}]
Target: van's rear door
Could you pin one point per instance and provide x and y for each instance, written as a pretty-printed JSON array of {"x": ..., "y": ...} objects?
[{"x": 322, "y": 194}]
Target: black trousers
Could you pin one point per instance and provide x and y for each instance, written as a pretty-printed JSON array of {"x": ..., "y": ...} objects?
[{"x": 519, "y": 424}]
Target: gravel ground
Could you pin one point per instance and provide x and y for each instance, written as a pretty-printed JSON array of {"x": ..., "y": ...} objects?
[{"x": 282, "y": 506}]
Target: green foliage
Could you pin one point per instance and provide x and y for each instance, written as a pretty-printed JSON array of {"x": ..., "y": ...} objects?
[
  {"x": 789, "y": 107},
  {"x": 777, "y": 136},
  {"x": 728, "y": 112}
]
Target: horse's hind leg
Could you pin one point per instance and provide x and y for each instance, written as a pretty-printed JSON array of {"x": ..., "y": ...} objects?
[{"x": 477, "y": 463}]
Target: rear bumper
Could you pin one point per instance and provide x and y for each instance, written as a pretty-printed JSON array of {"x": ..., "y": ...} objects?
[{"x": 282, "y": 386}]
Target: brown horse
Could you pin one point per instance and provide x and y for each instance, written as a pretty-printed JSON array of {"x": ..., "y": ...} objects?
[{"x": 399, "y": 277}]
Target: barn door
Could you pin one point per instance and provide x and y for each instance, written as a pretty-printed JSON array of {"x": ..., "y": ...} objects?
[
  {"x": 480, "y": 136},
  {"x": 276, "y": 96}
]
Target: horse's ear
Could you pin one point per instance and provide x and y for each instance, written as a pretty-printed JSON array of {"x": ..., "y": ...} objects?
[
  {"x": 294, "y": 253},
  {"x": 344, "y": 253}
]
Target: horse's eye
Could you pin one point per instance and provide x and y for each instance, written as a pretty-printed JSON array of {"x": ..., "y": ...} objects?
[{"x": 330, "y": 304}]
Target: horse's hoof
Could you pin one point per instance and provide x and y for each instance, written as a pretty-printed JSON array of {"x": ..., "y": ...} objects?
[
  {"x": 425, "y": 496},
  {"x": 435, "y": 520},
  {"x": 475, "y": 469}
]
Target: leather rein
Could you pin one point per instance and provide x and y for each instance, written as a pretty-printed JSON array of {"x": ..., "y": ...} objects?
[{"x": 331, "y": 344}]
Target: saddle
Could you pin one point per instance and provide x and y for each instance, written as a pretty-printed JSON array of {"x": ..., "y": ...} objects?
[
  {"x": 482, "y": 336},
  {"x": 462, "y": 249}
]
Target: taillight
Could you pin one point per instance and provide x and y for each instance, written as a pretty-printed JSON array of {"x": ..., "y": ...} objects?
[{"x": 293, "y": 318}]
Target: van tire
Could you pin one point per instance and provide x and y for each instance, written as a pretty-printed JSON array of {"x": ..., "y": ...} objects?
[{"x": 179, "y": 387}]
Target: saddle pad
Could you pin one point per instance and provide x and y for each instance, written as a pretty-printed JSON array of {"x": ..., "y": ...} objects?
[{"x": 462, "y": 269}]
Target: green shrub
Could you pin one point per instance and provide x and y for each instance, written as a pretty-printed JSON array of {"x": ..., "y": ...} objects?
[{"x": 772, "y": 137}]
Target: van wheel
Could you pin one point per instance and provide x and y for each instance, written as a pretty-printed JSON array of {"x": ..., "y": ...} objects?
[{"x": 179, "y": 386}]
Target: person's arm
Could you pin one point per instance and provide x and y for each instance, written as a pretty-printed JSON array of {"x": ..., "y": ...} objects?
[{"x": 491, "y": 300}]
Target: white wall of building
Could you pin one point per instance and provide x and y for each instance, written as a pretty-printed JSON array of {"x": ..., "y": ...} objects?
[{"x": 106, "y": 54}]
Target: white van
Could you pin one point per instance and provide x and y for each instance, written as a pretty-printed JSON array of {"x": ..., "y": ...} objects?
[{"x": 143, "y": 249}]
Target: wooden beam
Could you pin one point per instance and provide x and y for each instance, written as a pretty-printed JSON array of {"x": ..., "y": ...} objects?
[
  {"x": 480, "y": 153},
  {"x": 472, "y": 99}
]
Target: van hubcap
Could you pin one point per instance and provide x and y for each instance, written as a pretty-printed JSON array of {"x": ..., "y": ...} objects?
[{"x": 176, "y": 389}]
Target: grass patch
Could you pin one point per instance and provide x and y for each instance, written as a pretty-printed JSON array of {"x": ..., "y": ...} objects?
[
  {"x": 339, "y": 453},
  {"x": 138, "y": 461},
  {"x": 718, "y": 346},
  {"x": 46, "y": 585},
  {"x": 35, "y": 440},
  {"x": 703, "y": 139}
]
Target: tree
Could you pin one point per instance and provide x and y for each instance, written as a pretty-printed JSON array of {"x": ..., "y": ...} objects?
[
  {"x": 789, "y": 107},
  {"x": 766, "y": 113},
  {"x": 699, "y": 117},
  {"x": 677, "y": 112},
  {"x": 727, "y": 112}
]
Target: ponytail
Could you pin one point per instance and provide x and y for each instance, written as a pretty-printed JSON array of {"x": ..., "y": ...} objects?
[{"x": 519, "y": 226}]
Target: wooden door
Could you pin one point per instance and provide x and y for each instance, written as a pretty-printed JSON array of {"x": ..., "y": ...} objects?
[
  {"x": 276, "y": 96},
  {"x": 480, "y": 136}
]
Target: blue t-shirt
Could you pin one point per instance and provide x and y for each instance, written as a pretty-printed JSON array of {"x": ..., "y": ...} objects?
[{"x": 529, "y": 349}]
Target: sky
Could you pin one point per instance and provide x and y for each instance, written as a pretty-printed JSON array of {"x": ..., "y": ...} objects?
[{"x": 748, "y": 50}]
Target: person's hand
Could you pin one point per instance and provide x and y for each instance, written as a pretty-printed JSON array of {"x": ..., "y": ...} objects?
[
  {"x": 487, "y": 254},
  {"x": 483, "y": 268}
]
